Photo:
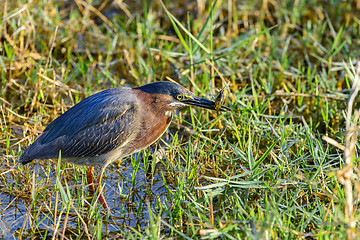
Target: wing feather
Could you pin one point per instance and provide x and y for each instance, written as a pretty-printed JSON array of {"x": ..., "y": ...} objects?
[
  {"x": 94, "y": 126},
  {"x": 100, "y": 138}
]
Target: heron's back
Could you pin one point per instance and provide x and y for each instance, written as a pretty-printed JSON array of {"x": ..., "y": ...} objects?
[{"x": 95, "y": 126}]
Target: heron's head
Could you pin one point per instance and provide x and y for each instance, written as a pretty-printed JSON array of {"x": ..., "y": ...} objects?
[{"x": 178, "y": 97}]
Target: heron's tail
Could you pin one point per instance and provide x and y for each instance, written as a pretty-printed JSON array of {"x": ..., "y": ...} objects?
[{"x": 24, "y": 159}]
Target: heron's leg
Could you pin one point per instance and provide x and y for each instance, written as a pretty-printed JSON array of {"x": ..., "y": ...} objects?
[
  {"x": 100, "y": 196},
  {"x": 90, "y": 179},
  {"x": 96, "y": 187}
]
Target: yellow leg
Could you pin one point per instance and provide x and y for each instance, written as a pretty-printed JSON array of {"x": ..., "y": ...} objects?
[
  {"x": 96, "y": 187},
  {"x": 100, "y": 196},
  {"x": 90, "y": 179}
]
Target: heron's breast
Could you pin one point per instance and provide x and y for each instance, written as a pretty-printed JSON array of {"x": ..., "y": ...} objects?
[
  {"x": 153, "y": 129},
  {"x": 155, "y": 115}
]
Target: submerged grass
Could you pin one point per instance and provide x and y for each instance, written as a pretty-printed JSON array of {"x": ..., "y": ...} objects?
[{"x": 260, "y": 172}]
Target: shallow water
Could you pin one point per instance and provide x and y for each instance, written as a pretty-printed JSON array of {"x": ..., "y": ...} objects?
[{"x": 128, "y": 202}]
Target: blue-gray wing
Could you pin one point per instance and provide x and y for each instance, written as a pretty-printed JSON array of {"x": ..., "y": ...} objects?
[{"x": 95, "y": 126}]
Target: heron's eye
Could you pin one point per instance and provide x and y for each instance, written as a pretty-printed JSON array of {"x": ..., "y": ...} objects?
[{"x": 179, "y": 97}]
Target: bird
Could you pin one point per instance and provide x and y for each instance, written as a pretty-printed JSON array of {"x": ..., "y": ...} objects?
[{"x": 112, "y": 124}]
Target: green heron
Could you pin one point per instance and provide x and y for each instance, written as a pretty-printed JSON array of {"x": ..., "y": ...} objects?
[{"x": 112, "y": 124}]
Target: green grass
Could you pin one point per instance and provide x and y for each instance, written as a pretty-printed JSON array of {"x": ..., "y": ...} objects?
[{"x": 262, "y": 171}]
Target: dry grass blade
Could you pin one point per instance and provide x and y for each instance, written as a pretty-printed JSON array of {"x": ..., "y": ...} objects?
[
  {"x": 349, "y": 154},
  {"x": 333, "y": 142}
]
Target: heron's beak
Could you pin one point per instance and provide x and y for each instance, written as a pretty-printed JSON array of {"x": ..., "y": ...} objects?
[{"x": 203, "y": 103}]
